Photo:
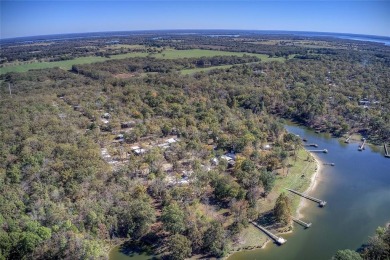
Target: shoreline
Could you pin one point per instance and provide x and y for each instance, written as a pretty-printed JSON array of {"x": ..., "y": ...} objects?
[
  {"x": 313, "y": 183},
  {"x": 302, "y": 204},
  {"x": 298, "y": 212}
]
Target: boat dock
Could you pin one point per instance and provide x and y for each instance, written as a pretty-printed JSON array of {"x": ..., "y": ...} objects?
[
  {"x": 318, "y": 151},
  {"x": 302, "y": 223},
  {"x": 347, "y": 140},
  {"x": 361, "y": 147},
  {"x": 279, "y": 240},
  {"x": 321, "y": 203},
  {"x": 331, "y": 164},
  {"x": 312, "y": 145},
  {"x": 386, "y": 151}
]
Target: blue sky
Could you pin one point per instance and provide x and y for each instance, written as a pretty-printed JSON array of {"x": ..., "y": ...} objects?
[{"x": 28, "y": 18}]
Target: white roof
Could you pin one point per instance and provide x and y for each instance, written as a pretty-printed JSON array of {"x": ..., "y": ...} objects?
[
  {"x": 139, "y": 151},
  {"x": 171, "y": 140},
  {"x": 227, "y": 158},
  {"x": 164, "y": 145}
]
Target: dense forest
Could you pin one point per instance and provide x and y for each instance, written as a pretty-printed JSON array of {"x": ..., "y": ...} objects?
[{"x": 135, "y": 150}]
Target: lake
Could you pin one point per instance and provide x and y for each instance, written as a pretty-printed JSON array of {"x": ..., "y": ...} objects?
[{"x": 357, "y": 190}]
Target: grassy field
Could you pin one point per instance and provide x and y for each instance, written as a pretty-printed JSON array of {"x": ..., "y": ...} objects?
[
  {"x": 263, "y": 57},
  {"x": 168, "y": 54},
  {"x": 67, "y": 64},
  {"x": 292, "y": 178},
  {"x": 196, "y": 53},
  {"x": 252, "y": 237}
]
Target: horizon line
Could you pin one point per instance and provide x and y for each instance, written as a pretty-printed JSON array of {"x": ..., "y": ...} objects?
[{"x": 161, "y": 30}]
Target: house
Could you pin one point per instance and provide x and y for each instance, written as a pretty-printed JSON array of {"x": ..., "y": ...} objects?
[
  {"x": 137, "y": 150},
  {"x": 106, "y": 116},
  {"x": 128, "y": 124},
  {"x": 267, "y": 147},
  {"x": 120, "y": 138},
  {"x": 171, "y": 140},
  {"x": 167, "y": 143},
  {"x": 364, "y": 102},
  {"x": 230, "y": 158},
  {"x": 78, "y": 108},
  {"x": 214, "y": 161},
  {"x": 231, "y": 155}
]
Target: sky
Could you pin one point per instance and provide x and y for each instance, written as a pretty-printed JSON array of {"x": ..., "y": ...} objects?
[{"x": 30, "y": 18}]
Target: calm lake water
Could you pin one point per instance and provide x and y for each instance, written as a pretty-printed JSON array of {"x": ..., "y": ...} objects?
[
  {"x": 357, "y": 190},
  {"x": 125, "y": 253}
]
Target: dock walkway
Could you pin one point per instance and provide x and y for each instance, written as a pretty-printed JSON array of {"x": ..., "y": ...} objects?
[
  {"x": 321, "y": 203},
  {"x": 300, "y": 222},
  {"x": 386, "y": 151},
  {"x": 361, "y": 147},
  {"x": 318, "y": 151},
  {"x": 311, "y": 145},
  {"x": 279, "y": 240},
  {"x": 331, "y": 164}
]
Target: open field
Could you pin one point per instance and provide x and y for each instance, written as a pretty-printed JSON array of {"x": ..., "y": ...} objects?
[
  {"x": 251, "y": 238},
  {"x": 291, "y": 178},
  {"x": 168, "y": 54},
  {"x": 67, "y": 64},
  {"x": 263, "y": 57},
  {"x": 197, "y": 53}
]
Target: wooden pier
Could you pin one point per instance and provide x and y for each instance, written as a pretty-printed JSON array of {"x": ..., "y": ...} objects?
[
  {"x": 321, "y": 203},
  {"x": 386, "y": 151},
  {"x": 347, "y": 140},
  {"x": 318, "y": 151},
  {"x": 361, "y": 147},
  {"x": 331, "y": 164},
  {"x": 279, "y": 240},
  {"x": 302, "y": 223}
]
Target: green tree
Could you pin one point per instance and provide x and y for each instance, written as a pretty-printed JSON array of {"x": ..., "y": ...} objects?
[
  {"x": 282, "y": 209},
  {"x": 179, "y": 247},
  {"x": 378, "y": 246},
  {"x": 225, "y": 188},
  {"x": 268, "y": 180},
  {"x": 173, "y": 218},
  {"x": 215, "y": 240},
  {"x": 347, "y": 255},
  {"x": 136, "y": 219},
  {"x": 5, "y": 244},
  {"x": 28, "y": 242},
  {"x": 143, "y": 215}
]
